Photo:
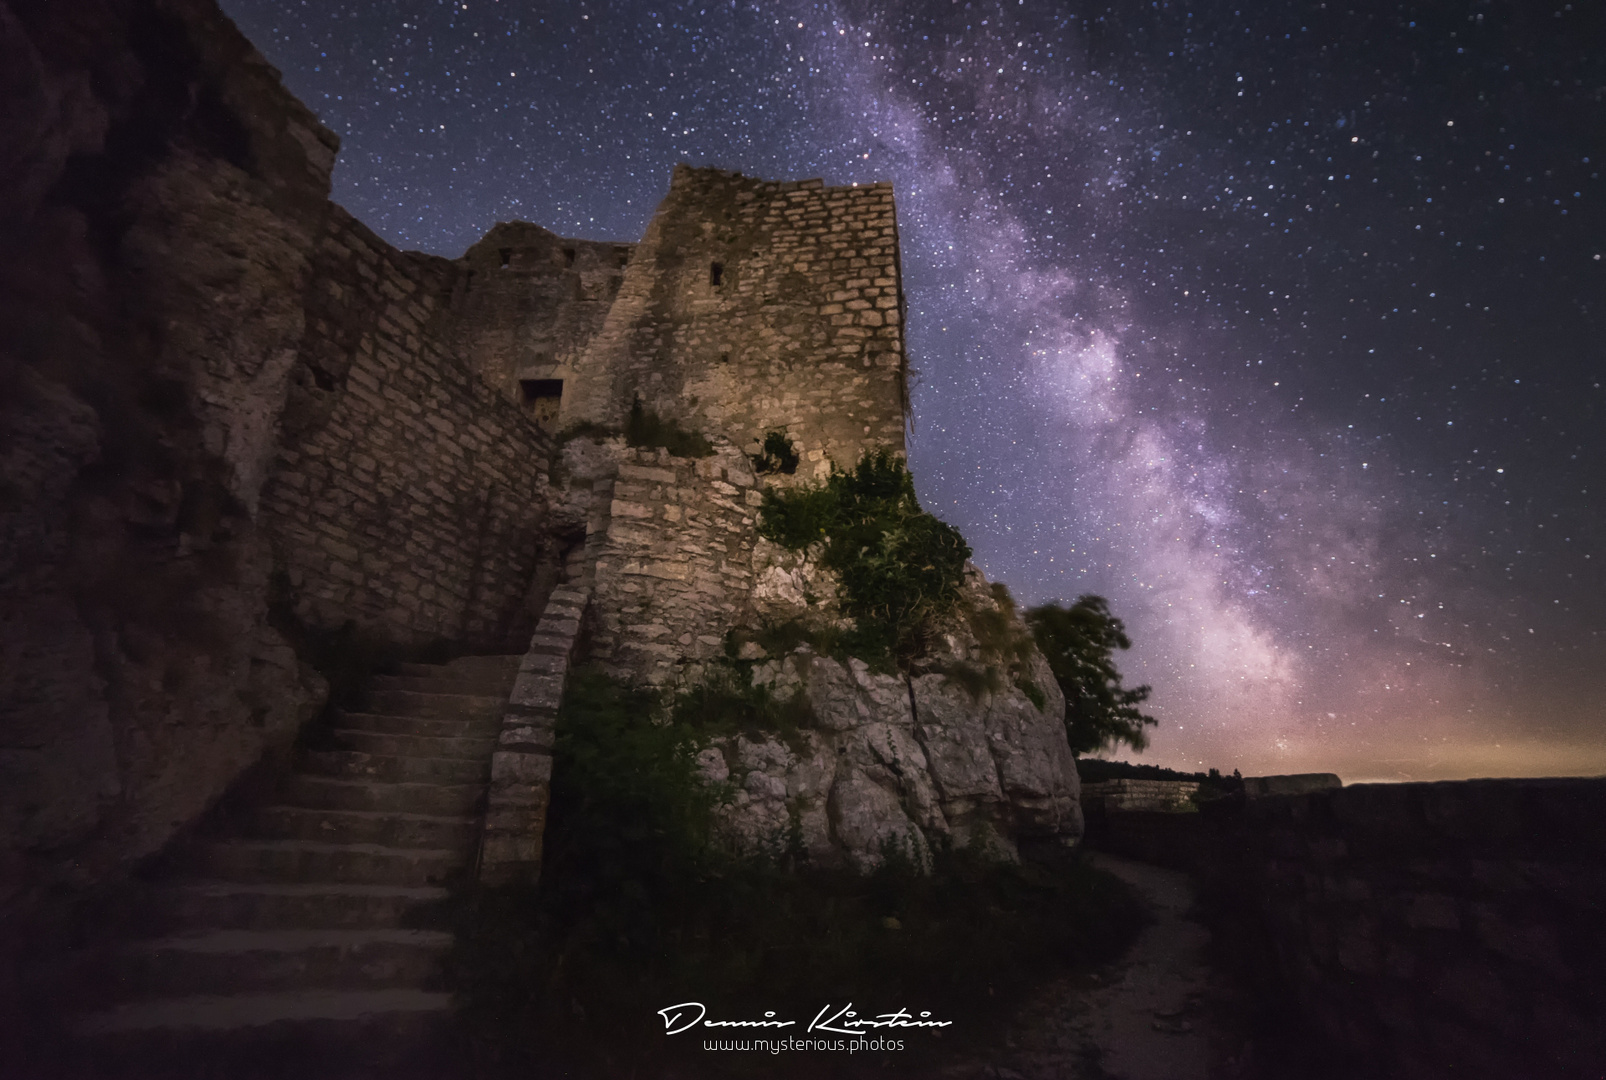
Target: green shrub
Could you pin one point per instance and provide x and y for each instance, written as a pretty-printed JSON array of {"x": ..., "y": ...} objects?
[
  {"x": 727, "y": 703},
  {"x": 900, "y": 568},
  {"x": 1079, "y": 644},
  {"x": 798, "y": 517},
  {"x": 648, "y": 430}
]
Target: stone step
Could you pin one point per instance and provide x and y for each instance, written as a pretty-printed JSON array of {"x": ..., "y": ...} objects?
[
  {"x": 388, "y": 828},
  {"x": 436, "y": 684},
  {"x": 414, "y": 725},
  {"x": 311, "y": 861},
  {"x": 336, "y": 793},
  {"x": 225, "y": 905},
  {"x": 488, "y": 670},
  {"x": 464, "y": 748},
  {"x": 437, "y": 706},
  {"x": 355, "y": 765},
  {"x": 260, "y": 961},
  {"x": 496, "y": 670},
  {"x": 422, "y": 671},
  {"x": 307, "y": 1035}
]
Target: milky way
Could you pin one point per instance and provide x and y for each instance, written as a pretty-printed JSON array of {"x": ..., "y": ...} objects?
[{"x": 1276, "y": 325}]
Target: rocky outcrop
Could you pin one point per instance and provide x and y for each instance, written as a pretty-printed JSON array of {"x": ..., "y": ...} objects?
[
  {"x": 894, "y": 763},
  {"x": 161, "y": 193},
  {"x": 958, "y": 751}
]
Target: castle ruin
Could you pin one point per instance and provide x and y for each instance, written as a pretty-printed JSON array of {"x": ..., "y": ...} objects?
[
  {"x": 238, "y": 423},
  {"x": 237, "y": 427}
]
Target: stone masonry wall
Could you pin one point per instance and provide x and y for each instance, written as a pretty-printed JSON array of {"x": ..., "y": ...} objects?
[
  {"x": 1437, "y": 929},
  {"x": 409, "y": 495},
  {"x": 1128, "y": 795},
  {"x": 674, "y": 566},
  {"x": 801, "y": 331},
  {"x": 525, "y": 305}
]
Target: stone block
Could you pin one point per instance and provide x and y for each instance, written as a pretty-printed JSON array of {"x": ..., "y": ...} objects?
[
  {"x": 511, "y": 770},
  {"x": 526, "y": 740}
]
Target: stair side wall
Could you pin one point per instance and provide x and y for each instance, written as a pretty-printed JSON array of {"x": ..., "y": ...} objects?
[
  {"x": 409, "y": 496},
  {"x": 521, "y": 765}
]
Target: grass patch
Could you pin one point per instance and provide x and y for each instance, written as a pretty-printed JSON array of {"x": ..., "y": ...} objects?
[
  {"x": 976, "y": 680},
  {"x": 900, "y": 568},
  {"x": 1006, "y": 649},
  {"x": 638, "y": 910},
  {"x": 647, "y": 430},
  {"x": 779, "y": 639}
]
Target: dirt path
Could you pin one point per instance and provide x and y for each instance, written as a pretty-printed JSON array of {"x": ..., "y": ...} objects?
[{"x": 1152, "y": 1015}]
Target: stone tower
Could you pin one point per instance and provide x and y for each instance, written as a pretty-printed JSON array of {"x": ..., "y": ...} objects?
[{"x": 752, "y": 306}]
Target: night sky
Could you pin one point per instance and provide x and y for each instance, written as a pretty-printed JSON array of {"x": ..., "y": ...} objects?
[{"x": 1278, "y": 325}]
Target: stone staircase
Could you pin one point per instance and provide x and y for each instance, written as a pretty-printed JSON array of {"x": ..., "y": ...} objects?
[{"x": 306, "y": 940}]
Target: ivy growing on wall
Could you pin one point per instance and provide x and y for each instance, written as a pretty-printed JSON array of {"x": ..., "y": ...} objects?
[{"x": 900, "y": 569}]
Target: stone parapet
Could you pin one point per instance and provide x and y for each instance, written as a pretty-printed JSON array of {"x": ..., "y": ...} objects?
[
  {"x": 1152, "y": 795},
  {"x": 521, "y": 765},
  {"x": 409, "y": 496}
]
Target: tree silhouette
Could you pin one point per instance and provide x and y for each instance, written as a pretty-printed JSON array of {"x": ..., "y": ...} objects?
[{"x": 1078, "y": 642}]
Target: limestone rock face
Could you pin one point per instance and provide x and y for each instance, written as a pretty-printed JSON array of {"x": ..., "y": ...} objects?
[
  {"x": 899, "y": 764},
  {"x": 153, "y": 259}
]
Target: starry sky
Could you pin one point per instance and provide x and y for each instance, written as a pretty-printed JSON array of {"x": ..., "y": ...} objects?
[{"x": 1279, "y": 325}]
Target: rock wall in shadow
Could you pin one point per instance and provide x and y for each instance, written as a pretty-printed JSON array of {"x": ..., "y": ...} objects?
[
  {"x": 162, "y": 194},
  {"x": 232, "y": 418}
]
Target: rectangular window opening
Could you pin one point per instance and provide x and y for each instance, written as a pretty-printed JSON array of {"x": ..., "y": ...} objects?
[
  {"x": 542, "y": 398},
  {"x": 507, "y": 256},
  {"x": 568, "y": 256},
  {"x": 716, "y": 273}
]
